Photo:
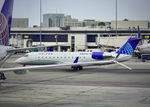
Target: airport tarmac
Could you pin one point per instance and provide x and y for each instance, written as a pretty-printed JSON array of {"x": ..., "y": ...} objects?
[{"x": 95, "y": 86}]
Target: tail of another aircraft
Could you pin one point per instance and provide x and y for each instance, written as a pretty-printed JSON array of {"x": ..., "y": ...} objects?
[{"x": 5, "y": 22}]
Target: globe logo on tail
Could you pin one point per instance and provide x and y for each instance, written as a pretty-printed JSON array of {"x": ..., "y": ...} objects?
[{"x": 4, "y": 31}]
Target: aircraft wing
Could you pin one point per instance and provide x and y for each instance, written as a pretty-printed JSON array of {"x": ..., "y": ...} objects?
[{"x": 59, "y": 65}]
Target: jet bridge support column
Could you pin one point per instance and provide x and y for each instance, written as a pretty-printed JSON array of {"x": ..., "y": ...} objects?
[
  {"x": 2, "y": 76},
  {"x": 59, "y": 48}
]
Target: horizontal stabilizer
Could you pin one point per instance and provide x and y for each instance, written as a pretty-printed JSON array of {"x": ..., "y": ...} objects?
[{"x": 122, "y": 65}]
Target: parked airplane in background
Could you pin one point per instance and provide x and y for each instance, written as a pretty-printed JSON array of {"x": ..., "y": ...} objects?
[
  {"x": 5, "y": 25},
  {"x": 144, "y": 49}
]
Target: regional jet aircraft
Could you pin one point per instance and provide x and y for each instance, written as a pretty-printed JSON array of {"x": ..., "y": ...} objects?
[
  {"x": 78, "y": 59},
  {"x": 143, "y": 48}
]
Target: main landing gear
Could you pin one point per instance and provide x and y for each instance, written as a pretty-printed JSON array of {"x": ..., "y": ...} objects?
[
  {"x": 75, "y": 68},
  {"x": 2, "y": 76}
]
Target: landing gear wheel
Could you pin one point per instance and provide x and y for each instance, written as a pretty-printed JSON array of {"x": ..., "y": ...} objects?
[
  {"x": 75, "y": 68},
  {"x": 80, "y": 68},
  {"x": 2, "y": 76}
]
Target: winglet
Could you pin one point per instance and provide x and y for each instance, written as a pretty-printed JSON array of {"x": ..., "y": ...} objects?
[
  {"x": 76, "y": 60},
  {"x": 122, "y": 64}
]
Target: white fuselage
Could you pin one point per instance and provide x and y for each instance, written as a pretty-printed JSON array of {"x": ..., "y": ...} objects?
[{"x": 43, "y": 58}]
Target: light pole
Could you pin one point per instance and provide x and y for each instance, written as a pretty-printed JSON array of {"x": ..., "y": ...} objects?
[
  {"x": 40, "y": 22},
  {"x": 56, "y": 36},
  {"x": 116, "y": 19}
]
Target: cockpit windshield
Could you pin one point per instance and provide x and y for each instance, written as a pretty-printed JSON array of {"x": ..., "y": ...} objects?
[{"x": 26, "y": 55}]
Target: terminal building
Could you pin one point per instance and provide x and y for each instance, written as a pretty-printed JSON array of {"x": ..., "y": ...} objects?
[
  {"x": 20, "y": 23},
  {"x": 131, "y": 25},
  {"x": 75, "y": 39},
  {"x": 72, "y": 22},
  {"x": 78, "y": 38}
]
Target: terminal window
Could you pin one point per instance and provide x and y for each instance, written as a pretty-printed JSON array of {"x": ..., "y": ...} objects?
[
  {"x": 91, "y": 38},
  {"x": 49, "y": 38}
]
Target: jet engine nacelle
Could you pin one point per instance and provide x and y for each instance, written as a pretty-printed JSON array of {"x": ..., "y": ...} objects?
[
  {"x": 97, "y": 55},
  {"x": 101, "y": 55}
]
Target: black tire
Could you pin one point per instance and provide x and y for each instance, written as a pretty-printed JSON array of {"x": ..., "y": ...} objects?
[
  {"x": 80, "y": 68},
  {"x": 2, "y": 76}
]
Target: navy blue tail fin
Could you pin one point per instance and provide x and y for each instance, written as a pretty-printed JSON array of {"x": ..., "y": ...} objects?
[
  {"x": 129, "y": 47},
  {"x": 5, "y": 21}
]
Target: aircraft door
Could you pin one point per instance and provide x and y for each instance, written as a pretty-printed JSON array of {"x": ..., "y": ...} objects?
[{"x": 72, "y": 43}]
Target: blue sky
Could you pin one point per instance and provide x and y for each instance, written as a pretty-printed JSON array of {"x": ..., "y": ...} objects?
[{"x": 103, "y": 10}]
